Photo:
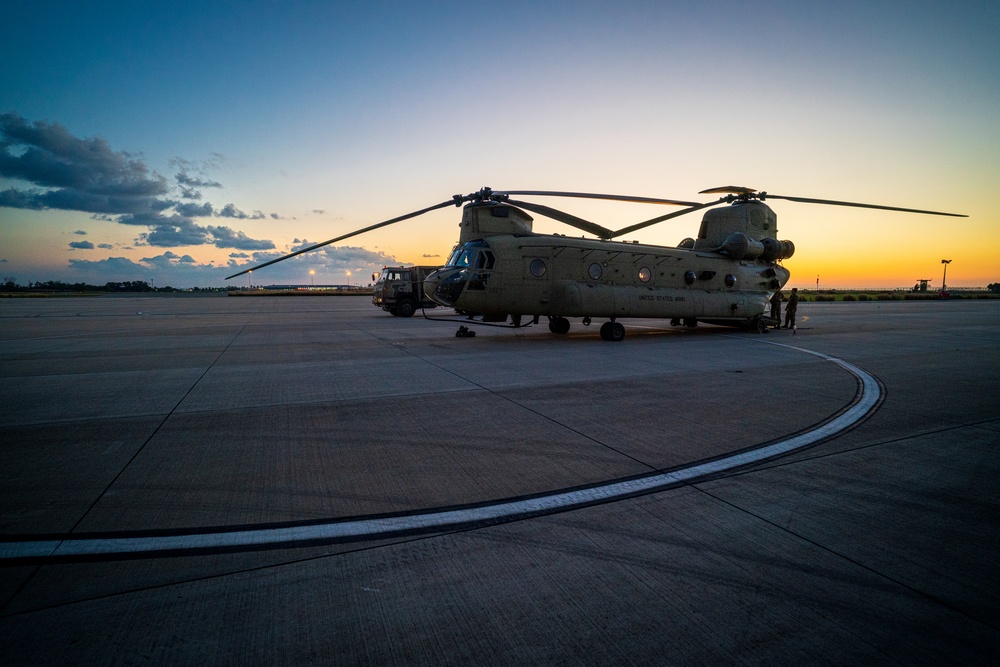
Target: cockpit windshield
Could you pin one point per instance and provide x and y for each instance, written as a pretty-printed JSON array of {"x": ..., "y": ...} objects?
[{"x": 473, "y": 253}]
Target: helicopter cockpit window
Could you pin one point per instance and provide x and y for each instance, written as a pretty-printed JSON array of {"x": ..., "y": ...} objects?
[
  {"x": 466, "y": 255},
  {"x": 645, "y": 274},
  {"x": 537, "y": 267}
]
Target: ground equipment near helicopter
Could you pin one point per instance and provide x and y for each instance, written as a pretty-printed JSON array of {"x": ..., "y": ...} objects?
[
  {"x": 399, "y": 290},
  {"x": 501, "y": 270}
]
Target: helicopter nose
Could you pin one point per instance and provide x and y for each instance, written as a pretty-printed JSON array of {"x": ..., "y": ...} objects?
[{"x": 445, "y": 285}]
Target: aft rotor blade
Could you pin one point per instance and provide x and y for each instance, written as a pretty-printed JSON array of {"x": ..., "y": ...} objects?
[
  {"x": 565, "y": 218},
  {"x": 589, "y": 195},
  {"x": 647, "y": 223},
  {"x": 806, "y": 200},
  {"x": 450, "y": 202}
]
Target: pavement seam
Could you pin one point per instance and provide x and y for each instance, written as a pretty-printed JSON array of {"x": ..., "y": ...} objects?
[
  {"x": 138, "y": 451},
  {"x": 845, "y": 557}
]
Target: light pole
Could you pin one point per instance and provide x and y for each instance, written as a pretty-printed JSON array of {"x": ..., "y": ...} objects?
[
  {"x": 348, "y": 278},
  {"x": 312, "y": 277},
  {"x": 944, "y": 278}
]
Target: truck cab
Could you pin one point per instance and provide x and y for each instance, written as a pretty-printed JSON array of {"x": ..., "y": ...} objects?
[{"x": 400, "y": 289}]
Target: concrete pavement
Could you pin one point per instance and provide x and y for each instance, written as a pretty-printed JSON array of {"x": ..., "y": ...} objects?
[{"x": 181, "y": 416}]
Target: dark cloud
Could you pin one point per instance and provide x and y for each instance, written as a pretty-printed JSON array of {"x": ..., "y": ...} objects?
[
  {"x": 69, "y": 173},
  {"x": 426, "y": 256},
  {"x": 178, "y": 231},
  {"x": 81, "y": 245},
  {"x": 338, "y": 259},
  {"x": 80, "y": 232},
  {"x": 194, "y": 210},
  {"x": 84, "y": 174},
  {"x": 225, "y": 237},
  {"x": 191, "y": 182},
  {"x": 175, "y": 232},
  {"x": 105, "y": 246},
  {"x": 230, "y": 211},
  {"x": 239, "y": 255}
]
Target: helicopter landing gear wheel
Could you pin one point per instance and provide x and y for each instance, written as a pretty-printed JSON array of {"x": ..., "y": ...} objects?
[
  {"x": 759, "y": 325},
  {"x": 690, "y": 322},
  {"x": 675, "y": 321},
  {"x": 613, "y": 331},
  {"x": 559, "y": 325}
]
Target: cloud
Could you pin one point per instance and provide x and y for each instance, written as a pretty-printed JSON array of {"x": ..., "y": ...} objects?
[
  {"x": 337, "y": 259},
  {"x": 194, "y": 210},
  {"x": 175, "y": 232},
  {"x": 230, "y": 211},
  {"x": 179, "y": 231},
  {"x": 78, "y": 174},
  {"x": 105, "y": 246},
  {"x": 184, "y": 179},
  {"x": 225, "y": 237},
  {"x": 80, "y": 232},
  {"x": 111, "y": 265},
  {"x": 81, "y": 245},
  {"x": 69, "y": 173}
]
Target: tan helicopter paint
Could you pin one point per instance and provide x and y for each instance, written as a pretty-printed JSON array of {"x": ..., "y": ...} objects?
[{"x": 635, "y": 280}]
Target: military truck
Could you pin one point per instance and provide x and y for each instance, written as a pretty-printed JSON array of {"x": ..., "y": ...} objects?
[{"x": 400, "y": 289}]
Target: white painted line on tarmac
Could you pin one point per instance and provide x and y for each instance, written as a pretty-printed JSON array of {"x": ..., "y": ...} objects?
[{"x": 441, "y": 520}]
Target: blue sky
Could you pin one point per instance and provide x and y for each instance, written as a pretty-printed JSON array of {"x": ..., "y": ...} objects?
[{"x": 241, "y": 130}]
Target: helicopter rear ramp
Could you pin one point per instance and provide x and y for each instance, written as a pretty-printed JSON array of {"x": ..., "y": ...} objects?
[{"x": 183, "y": 419}]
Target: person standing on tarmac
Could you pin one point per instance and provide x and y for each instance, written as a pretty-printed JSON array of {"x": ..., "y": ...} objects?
[
  {"x": 776, "y": 307},
  {"x": 793, "y": 304}
]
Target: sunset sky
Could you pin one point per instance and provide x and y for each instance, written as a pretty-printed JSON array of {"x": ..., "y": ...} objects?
[{"x": 178, "y": 142}]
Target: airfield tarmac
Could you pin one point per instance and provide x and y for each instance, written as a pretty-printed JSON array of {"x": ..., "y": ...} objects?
[{"x": 294, "y": 453}]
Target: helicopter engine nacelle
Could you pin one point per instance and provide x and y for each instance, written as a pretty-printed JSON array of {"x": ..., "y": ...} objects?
[
  {"x": 775, "y": 250},
  {"x": 740, "y": 246}
]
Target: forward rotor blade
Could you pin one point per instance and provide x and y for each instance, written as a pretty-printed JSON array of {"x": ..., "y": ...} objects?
[
  {"x": 589, "y": 195},
  {"x": 647, "y": 223},
  {"x": 565, "y": 218},
  {"x": 450, "y": 202},
  {"x": 806, "y": 200}
]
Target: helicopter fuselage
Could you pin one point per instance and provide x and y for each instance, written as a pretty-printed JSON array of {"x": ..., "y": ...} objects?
[{"x": 502, "y": 269}]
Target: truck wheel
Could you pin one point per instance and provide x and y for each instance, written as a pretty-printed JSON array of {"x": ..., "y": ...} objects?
[{"x": 405, "y": 308}]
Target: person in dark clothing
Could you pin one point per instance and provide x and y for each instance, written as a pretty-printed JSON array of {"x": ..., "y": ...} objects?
[
  {"x": 793, "y": 303},
  {"x": 776, "y": 307}
]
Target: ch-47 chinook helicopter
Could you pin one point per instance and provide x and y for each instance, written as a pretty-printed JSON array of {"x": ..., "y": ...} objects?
[{"x": 502, "y": 270}]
